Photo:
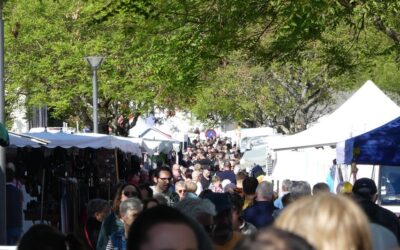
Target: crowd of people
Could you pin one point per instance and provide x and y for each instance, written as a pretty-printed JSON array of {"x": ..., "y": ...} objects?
[{"x": 208, "y": 202}]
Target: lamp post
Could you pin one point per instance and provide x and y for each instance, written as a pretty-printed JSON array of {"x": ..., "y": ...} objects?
[
  {"x": 94, "y": 63},
  {"x": 2, "y": 120}
]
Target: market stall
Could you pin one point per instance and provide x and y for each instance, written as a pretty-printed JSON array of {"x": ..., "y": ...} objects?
[
  {"x": 64, "y": 171},
  {"x": 380, "y": 146},
  {"x": 154, "y": 140},
  {"x": 314, "y": 148}
]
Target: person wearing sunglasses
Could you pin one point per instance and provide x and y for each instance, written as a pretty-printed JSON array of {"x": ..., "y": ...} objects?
[
  {"x": 180, "y": 188},
  {"x": 113, "y": 221}
]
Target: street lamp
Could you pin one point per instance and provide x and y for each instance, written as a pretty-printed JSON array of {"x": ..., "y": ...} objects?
[
  {"x": 2, "y": 120},
  {"x": 94, "y": 62}
]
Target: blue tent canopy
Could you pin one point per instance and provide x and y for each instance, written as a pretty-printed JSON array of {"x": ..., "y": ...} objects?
[{"x": 380, "y": 146}]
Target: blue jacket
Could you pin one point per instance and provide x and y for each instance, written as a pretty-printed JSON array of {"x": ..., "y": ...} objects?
[
  {"x": 118, "y": 240},
  {"x": 227, "y": 174},
  {"x": 260, "y": 213},
  {"x": 110, "y": 224}
]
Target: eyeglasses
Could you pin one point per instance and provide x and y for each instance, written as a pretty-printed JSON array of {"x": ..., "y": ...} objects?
[
  {"x": 182, "y": 191},
  {"x": 130, "y": 193},
  {"x": 165, "y": 179}
]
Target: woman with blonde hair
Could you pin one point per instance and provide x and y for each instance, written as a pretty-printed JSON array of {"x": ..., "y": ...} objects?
[
  {"x": 328, "y": 222},
  {"x": 191, "y": 189},
  {"x": 216, "y": 185}
]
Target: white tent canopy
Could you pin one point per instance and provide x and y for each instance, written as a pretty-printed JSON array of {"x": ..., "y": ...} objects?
[
  {"x": 153, "y": 139},
  {"x": 308, "y": 164},
  {"x": 308, "y": 155},
  {"x": 88, "y": 140},
  {"x": 21, "y": 140},
  {"x": 366, "y": 109},
  {"x": 242, "y": 135},
  {"x": 256, "y": 156}
]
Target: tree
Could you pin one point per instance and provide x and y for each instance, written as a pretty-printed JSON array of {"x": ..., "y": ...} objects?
[
  {"x": 287, "y": 97},
  {"x": 45, "y": 62},
  {"x": 171, "y": 54},
  {"x": 340, "y": 36}
]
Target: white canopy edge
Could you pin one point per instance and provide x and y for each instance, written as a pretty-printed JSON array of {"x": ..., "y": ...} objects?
[{"x": 85, "y": 140}]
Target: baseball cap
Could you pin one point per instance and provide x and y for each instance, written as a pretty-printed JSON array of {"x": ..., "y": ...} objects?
[
  {"x": 220, "y": 200},
  {"x": 364, "y": 187}
]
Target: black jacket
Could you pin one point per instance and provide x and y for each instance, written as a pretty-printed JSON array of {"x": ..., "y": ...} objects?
[
  {"x": 92, "y": 232},
  {"x": 381, "y": 216}
]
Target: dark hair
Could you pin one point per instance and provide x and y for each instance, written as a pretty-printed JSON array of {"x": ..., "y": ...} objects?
[
  {"x": 162, "y": 168},
  {"x": 96, "y": 205},
  {"x": 237, "y": 201},
  {"x": 147, "y": 201},
  {"x": 241, "y": 175},
  {"x": 273, "y": 238},
  {"x": 146, "y": 186},
  {"x": 320, "y": 187},
  {"x": 9, "y": 175},
  {"x": 138, "y": 233},
  {"x": 250, "y": 185},
  {"x": 227, "y": 164},
  {"x": 286, "y": 199},
  {"x": 221, "y": 155},
  {"x": 152, "y": 174},
  {"x": 118, "y": 194},
  {"x": 204, "y": 193},
  {"x": 188, "y": 173},
  {"x": 43, "y": 236}
]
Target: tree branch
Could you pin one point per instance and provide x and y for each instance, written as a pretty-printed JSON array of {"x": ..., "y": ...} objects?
[{"x": 391, "y": 33}]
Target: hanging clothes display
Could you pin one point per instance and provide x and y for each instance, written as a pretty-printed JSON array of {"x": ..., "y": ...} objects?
[{"x": 69, "y": 204}]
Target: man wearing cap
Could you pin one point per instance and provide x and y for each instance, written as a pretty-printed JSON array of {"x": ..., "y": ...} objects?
[
  {"x": 365, "y": 193},
  {"x": 223, "y": 236}
]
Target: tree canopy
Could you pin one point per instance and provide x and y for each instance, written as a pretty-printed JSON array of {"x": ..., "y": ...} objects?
[{"x": 276, "y": 63}]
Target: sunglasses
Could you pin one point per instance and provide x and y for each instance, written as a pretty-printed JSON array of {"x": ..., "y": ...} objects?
[
  {"x": 130, "y": 193},
  {"x": 181, "y": 191}
]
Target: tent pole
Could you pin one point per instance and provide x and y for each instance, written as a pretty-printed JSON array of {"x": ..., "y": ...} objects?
[
  {"x": 354, "y": 171},
  {"x": 277, "y": 187},
  {"x": 116, "y": 164},
  {"x": 373, "y": 172},
  {"x": 42, "y": 196}
]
